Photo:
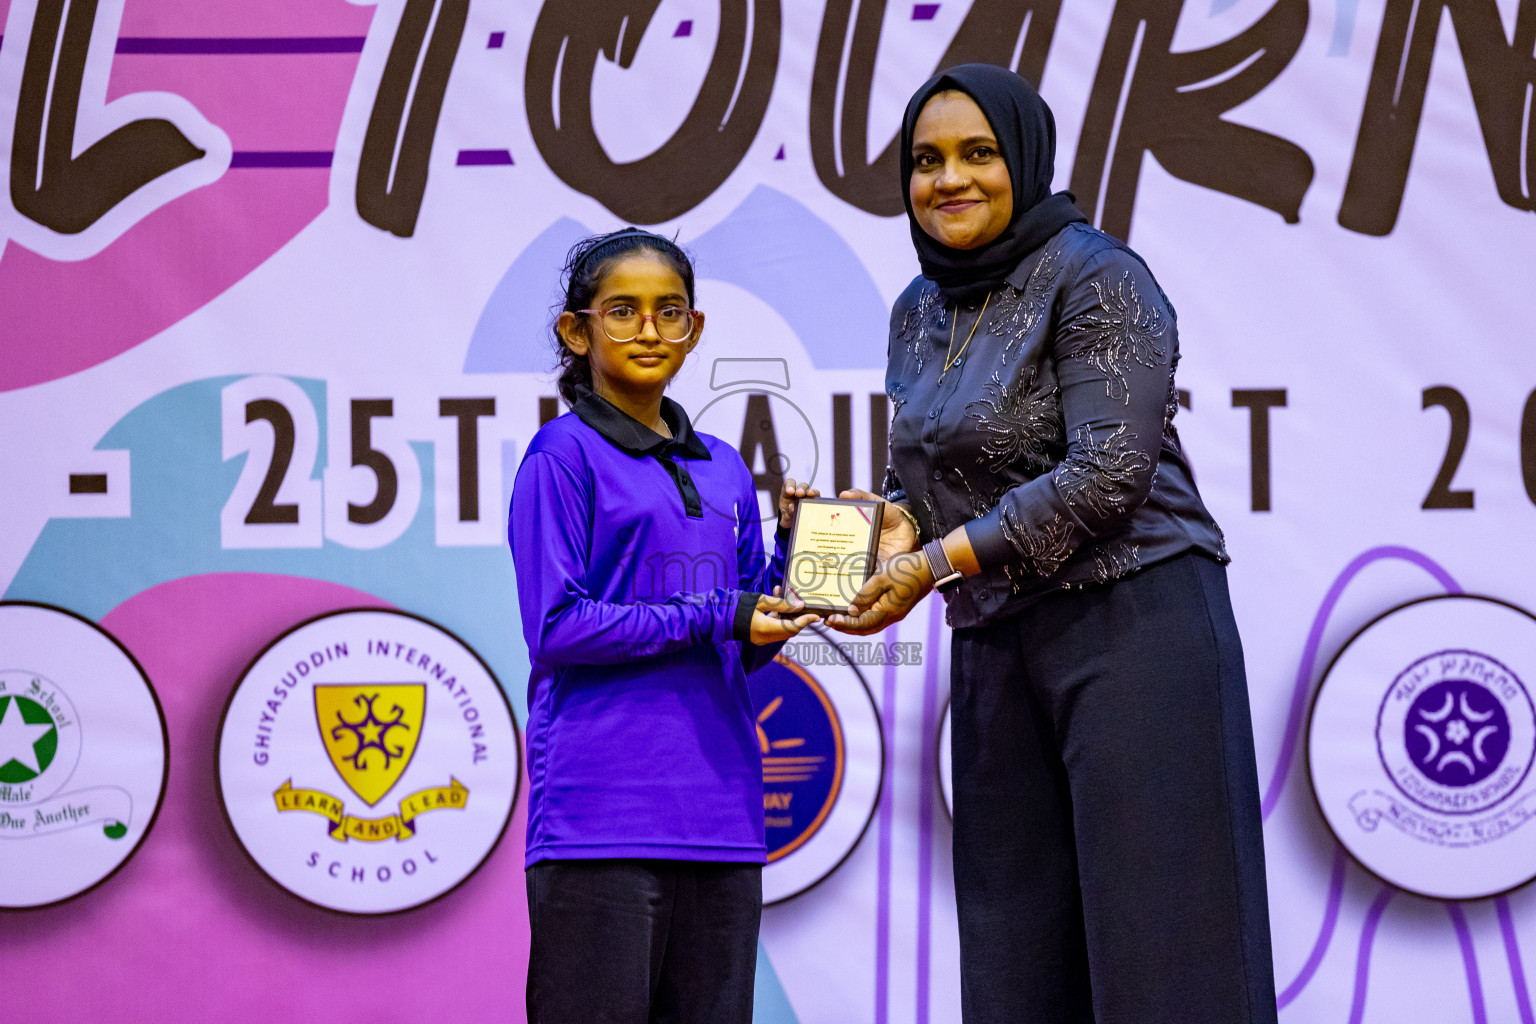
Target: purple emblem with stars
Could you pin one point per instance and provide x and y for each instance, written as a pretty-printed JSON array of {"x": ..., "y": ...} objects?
[{"x": 1457, "y": 732}]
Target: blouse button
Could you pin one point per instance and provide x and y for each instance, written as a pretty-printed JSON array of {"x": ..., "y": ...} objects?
[
  {"x": 933, "y": 414},
  {"x": 938, "y": 474}
]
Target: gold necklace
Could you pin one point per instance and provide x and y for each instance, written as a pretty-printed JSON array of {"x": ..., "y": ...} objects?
[{"x": 950, "y": 361}]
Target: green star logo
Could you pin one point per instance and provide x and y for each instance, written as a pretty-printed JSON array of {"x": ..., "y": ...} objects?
[{"x": 28, "y": 739}]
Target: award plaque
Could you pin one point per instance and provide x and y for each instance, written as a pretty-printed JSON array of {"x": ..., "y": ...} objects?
[{"x": 831, "y": 551}]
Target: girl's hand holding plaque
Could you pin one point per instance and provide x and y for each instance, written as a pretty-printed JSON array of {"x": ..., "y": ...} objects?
[{"x": 789, "y": 497}]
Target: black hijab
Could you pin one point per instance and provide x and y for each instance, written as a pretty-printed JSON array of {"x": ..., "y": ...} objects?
[{"x": 1026, "y": 135}]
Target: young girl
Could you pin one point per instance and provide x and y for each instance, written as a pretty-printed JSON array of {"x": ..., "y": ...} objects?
[{"x": 646, "y": 599}]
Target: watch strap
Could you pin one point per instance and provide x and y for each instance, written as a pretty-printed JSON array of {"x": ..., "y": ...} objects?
[{"x": 945, "y": 577}]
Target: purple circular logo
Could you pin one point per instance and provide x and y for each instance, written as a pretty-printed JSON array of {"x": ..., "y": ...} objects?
[{"x": 1457, "y": 733}]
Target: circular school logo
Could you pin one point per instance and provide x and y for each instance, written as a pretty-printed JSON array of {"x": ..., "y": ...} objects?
[
  {"x": 82, "y": 754},
  {"x": 368, "y": 761},
  {"x": 1456, "y": 732},
  {"x": 1422, "y": 740},
  {"x": 35, "y": 714},
  {"x": 823, "y": 759}
]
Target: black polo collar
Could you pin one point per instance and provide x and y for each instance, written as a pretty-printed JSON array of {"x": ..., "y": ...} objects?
[{"x": 632, "y": 437}]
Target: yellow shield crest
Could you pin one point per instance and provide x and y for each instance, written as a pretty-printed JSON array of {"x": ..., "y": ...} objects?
[{"x": 370, "y": 731}]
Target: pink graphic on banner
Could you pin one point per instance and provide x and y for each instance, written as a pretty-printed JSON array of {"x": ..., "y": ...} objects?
[
  {"x": 196, "y": 927},
  {"x": 268, "y": 18},
  {"x": 282, "y": 112}
]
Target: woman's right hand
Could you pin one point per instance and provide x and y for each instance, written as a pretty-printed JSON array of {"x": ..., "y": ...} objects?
[
  {"x": 888, "y": 595},
  {"x": 769, "y": 624},
  {"x": 897, "y": 534}
]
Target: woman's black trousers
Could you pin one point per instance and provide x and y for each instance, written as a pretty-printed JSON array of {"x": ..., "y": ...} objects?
[{"x": 1109, "y": 856}]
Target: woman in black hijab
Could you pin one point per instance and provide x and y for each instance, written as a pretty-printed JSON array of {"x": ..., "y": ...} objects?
[{"x": 1109, "y": 858}]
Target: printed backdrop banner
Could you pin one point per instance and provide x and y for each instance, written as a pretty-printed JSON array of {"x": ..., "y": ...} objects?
[{"x": 275, "y": 283}]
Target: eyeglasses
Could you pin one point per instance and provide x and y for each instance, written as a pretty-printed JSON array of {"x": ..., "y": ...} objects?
[{"x": 624, "y": 323}]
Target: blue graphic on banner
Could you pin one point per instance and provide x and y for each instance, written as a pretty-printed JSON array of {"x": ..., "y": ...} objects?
[
  {"x": 803, "y": 754},
  {"x": 511, "y": 334},
  {"x": 770, "y": 245},
  {"x": 770, "y": 1003}
]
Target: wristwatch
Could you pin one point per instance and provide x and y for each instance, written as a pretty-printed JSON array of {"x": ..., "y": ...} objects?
[{"x": 945, "y": 576}]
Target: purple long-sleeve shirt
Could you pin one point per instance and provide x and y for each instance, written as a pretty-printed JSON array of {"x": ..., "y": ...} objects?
[{"x": 639, "y": 560}]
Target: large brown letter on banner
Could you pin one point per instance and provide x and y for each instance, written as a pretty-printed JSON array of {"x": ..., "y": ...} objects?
[
  {"x": 1006, "y": 32},
  {"x": 688, "y": 167},
  {"x": 1501, "y": 74},
  {"x": 1170, "y": 105},
  {"x": 73, "y": 192},
  {"x": 392, "y": 168}
]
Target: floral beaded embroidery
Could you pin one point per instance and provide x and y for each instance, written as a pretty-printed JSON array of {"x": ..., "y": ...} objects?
[
  {"x": 1125, "y": 329},
  {"x": 1116, "y": 561},
  {"x": 936, "y": 524},
  {"x": 1020, "y": 311},
  {"x": 980, "y": 506},
  {"x": 1022, "y": 423},
  {"x": 1170, "y": 410},
  {"x": 920, "y": 322},
  {"x": 1100, "y": 476},
  {"x": 1044, "y": 548}
]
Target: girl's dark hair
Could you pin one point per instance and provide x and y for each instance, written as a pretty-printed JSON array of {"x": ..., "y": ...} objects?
[{"x": 586, "y": 265}]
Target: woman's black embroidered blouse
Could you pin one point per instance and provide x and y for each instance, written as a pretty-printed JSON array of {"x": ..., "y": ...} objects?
[{"x": 1050, "y": 437}]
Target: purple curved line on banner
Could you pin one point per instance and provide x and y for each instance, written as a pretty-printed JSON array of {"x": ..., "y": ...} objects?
[
  {"x": 887, "y": 813},
  {"x": 1363, "y": 958},
  {"x": 1516, "y": 968},
  {"x": 1468, "y": 961},
  {"x": 928, "y": 781},
  {"x": 1324, "y": 937},
  {"x": 1314, "y": 642}
]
